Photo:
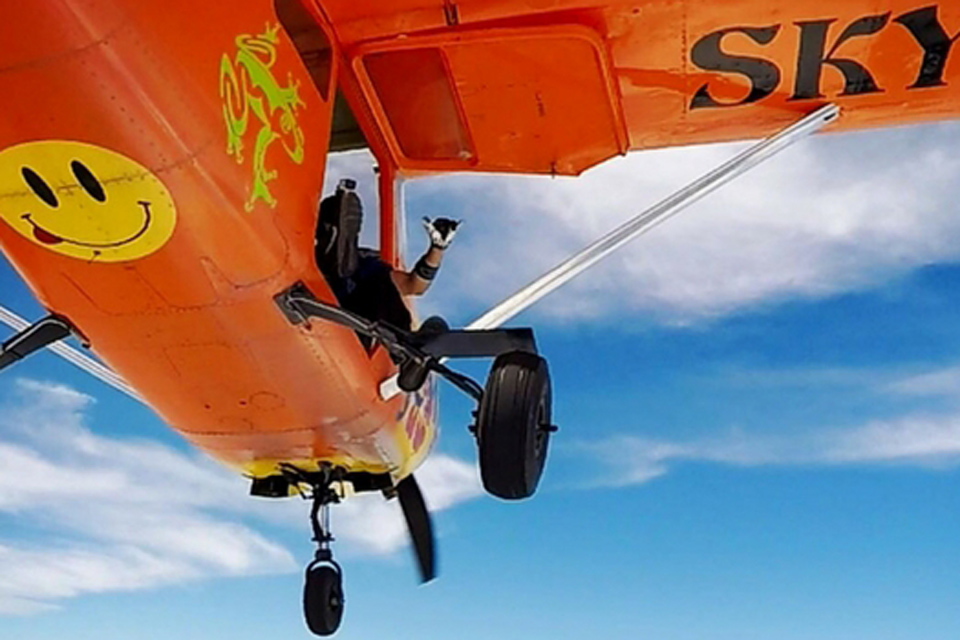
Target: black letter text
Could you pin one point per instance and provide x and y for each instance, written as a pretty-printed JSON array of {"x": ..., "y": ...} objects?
[
  {"x": 810, "y": 61},
  {"x": 927, "y": 30},
  {"x": 764, "y": 76}
]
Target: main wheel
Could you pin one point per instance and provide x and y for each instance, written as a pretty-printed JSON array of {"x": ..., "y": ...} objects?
[
  {"x": 513, "y": 425},
  {"x": 323, "y": 599}
]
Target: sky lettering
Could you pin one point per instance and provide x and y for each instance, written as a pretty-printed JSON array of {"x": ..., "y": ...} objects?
[{"x": 816, "y": 51}]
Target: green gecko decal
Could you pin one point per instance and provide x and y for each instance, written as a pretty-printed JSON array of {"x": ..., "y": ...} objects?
[{"x": 247, "y": 85}]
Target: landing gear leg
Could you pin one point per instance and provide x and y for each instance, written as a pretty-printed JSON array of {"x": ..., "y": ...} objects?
[{"x": 323, "y": 586}]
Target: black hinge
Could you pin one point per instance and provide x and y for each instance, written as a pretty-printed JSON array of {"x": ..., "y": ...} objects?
[{"x": 451, "y": 13}]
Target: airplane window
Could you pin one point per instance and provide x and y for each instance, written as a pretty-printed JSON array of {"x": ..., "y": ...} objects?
[
  {"x": 415, "y": 90},
  {"x": 310, "y": 40}
]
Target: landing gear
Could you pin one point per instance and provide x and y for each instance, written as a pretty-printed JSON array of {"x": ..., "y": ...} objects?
[
  {"x": 514, "y": 408},
  {"x": 513, "y": 425},
  {"x": 323, "y": 584},
  {"x": 323, "y": 600}
]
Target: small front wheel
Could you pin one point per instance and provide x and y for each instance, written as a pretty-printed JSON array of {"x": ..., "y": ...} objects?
[
  {"x": 323, "y": 599},
  {"x": 514, "y": 425}
]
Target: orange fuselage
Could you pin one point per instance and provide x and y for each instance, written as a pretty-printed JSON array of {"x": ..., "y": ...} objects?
[{"x": 161, "y": 162}]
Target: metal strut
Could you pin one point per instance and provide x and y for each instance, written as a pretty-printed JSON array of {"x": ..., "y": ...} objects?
[
  {"x": 636, "y": 226},
  {"x": 33, "y": 338},
  {"x": 73, "y": 356},
  {"x": 670, "y": 206},
  {"x": 418, "y": 353},
  {"x": 322, "y": 495},
  {"x": 320, "y": 523}
]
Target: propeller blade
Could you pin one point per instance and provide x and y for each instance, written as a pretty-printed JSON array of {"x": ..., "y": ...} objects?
[{"x": 420, "y": 526}]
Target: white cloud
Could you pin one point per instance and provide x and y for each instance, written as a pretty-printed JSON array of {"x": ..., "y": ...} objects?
[
  {"x": 378, "y": 526},
  {"x": 112, "y": 514},
  {"x": 448, "y": 481},
  {"x": 923, "y": 438},
  {"x": 831, "y": 214},
  {"x": 918, "y": 440},
  {"x": 929, "y": 441},
  {"x": 942, "y": 382}
]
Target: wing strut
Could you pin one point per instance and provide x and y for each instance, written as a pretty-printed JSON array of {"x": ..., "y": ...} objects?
[
  {"x": 574, "y": 266},
  {"x": 73, "y": 356},
  {"x": 577, "y": 264}
]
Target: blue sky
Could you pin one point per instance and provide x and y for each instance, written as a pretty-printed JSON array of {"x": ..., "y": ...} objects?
[{"x": 759, "y": 406}]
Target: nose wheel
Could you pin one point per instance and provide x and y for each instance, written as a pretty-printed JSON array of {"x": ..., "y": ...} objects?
[
  {"x": 323, "y": 598},
  {"x": 323, "y": 583}
]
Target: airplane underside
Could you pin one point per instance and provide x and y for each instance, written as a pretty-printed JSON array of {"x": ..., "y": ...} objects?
[{"x": 159, "y": 183}]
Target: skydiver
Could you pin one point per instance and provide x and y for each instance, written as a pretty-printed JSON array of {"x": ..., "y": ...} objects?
[{"x": 360, "y": 279}]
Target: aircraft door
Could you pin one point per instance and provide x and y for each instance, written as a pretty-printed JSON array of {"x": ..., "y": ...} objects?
[{"x": 533, "y": 99}]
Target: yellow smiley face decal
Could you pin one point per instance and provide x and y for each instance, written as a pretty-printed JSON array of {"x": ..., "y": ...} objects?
[{"x": 84, "y": 201}]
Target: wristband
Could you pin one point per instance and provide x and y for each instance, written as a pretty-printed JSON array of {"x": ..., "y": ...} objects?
[{"x": 424, "y": 271}]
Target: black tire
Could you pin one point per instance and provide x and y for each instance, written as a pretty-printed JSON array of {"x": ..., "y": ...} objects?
[
  {"x": 513, "y": 425},
  {"x": 323, "y": 599},
  {"x": 433, "y": 326}
]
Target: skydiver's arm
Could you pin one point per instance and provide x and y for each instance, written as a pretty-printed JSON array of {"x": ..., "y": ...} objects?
[{"x": 416, "y": 281}]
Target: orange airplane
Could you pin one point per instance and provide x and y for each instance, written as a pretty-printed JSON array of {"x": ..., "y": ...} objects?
[{"x": 161, "y": 165}]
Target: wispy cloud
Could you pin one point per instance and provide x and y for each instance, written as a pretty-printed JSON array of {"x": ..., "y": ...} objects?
[
  {"x": 109, "y": 514},
  {"x": 378, "y": 526},
  {"x": 917, "y": 440},
  {"x": 929, "y": 441},
  {"x": 943, "y": 382},
  {"x": 920, "y": 436}
]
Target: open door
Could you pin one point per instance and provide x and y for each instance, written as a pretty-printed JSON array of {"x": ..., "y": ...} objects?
[{"x": 532, "y": 100}]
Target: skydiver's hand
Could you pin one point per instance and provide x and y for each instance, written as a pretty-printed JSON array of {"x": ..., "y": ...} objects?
[{"x": 440, "y": 231}]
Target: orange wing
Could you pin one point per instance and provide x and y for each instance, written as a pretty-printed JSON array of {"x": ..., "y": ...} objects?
[{"x": 558, "y": 87}]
